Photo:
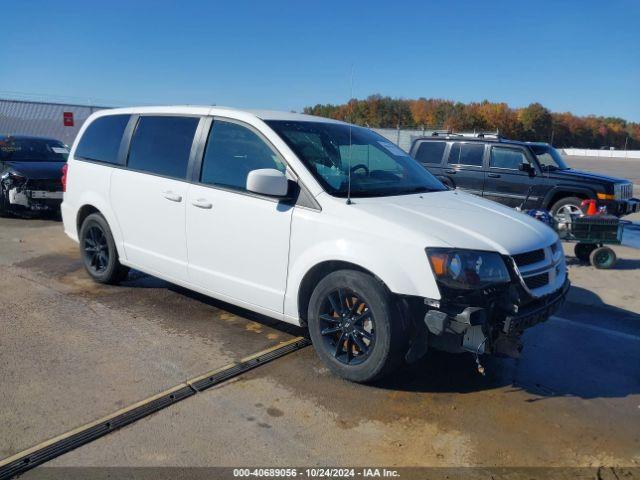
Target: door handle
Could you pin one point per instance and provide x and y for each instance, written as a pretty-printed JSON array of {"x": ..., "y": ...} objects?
[
  {"x": 174, "y": 197},
  {"x": 493, "y": 175},
  {"x": 451, "y": 171},
  {"x": 202, "y": 203}
]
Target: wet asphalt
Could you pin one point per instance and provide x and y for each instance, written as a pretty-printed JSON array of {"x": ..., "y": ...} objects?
[{"x": 72, "y": 351}]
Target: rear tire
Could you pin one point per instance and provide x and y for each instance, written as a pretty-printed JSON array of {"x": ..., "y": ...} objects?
[
  {"x": 98, "y": 251},
  {"x": 356, "y": 326}
]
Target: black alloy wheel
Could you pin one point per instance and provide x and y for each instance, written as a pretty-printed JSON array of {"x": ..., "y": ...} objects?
[
  {"x": 347, "y": 326},
  {"x": 356, "y": 325},
  {"x": 96, "y": 249}
]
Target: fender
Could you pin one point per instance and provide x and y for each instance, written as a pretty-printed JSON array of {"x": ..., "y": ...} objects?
[
  {"x": 570, "y": 190},
  {"x": 372, "y": 256}
]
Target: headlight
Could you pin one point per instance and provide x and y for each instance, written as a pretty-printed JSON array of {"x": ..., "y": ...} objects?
[
  {"x": 14, "y": 178},
  {"x": 467, "y": 269}
]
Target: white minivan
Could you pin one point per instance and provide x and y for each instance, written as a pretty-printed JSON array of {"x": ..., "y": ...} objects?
[{"x": 311, "y": 221}]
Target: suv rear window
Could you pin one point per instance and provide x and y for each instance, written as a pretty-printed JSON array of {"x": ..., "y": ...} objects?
[
  {"x": 101, "y": 140},
  {"x": 430, "y": 152},
  {"x": 162, "y": 145},
  {"x": 466, "y": 154}
]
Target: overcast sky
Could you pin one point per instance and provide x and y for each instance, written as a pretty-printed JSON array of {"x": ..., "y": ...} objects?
[{"x": 581, "y": 56}]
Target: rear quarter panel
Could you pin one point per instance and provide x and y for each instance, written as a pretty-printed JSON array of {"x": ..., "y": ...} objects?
[{"x": 89, "y": 183}]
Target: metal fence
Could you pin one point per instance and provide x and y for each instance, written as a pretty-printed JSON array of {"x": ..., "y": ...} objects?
[
  {"x": 63, "y": 121},
  {"x": 55, "y": 120}
]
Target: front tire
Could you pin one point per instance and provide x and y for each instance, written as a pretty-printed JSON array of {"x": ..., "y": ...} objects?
[
  {"x": 98, "y": 251},
  {"x": 565, "y": 206},
  {"x": 355, "y": 326}
]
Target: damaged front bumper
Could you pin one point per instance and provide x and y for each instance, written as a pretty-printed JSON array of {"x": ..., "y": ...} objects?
[
  {"x": 494, "y": 328},
  {"x": 33, "y": 196}
]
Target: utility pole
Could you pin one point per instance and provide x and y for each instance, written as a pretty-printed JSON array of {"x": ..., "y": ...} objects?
[{"x": 626, "y": 141}]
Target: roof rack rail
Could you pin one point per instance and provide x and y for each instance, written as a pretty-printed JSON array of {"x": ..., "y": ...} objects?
[
  {"x": 444, "y": 133},
  {"x": 495, "y": 134},
  {"x": 450, "y": 133}
]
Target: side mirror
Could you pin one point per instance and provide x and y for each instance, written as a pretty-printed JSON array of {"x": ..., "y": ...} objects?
[
  {"x": 527, "y": 167},
  {"x": 268, "y": 181}
]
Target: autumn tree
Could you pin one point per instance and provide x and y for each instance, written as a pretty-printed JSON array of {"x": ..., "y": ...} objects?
[{"x": 533, "y": 122}]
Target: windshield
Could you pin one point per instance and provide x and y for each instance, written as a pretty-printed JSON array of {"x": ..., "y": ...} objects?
[
  {"x": 378, "y": 167},
  {"x": 32, "y": 150},
  {"x": 549, "y": 157}
]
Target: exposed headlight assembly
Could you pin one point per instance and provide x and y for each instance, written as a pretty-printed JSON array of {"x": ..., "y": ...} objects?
[
  {"x": 467, "y": 269},
  {"x": 13, "y": 178}
]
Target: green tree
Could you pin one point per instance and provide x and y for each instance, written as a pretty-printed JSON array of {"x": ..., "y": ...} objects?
[{"x": 536, "y": 122}]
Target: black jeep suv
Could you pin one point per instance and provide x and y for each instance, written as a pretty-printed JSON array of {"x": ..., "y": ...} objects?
[{"x": 531, "y": 175}]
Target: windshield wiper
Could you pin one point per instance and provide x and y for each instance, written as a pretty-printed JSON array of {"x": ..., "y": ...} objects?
[{"x": 418, "y": 190}]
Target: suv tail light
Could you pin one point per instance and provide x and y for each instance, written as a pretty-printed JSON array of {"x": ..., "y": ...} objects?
[{"x": 63, "y": 180}]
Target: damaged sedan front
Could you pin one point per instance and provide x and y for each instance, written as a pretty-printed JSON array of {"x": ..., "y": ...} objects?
[{"x": 30, "y": 174}]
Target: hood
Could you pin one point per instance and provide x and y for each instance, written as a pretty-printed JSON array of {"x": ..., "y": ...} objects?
[
  {"x": 460, "y": 220},
  {"x": 578, "y": 175},
  {"x": 37, "y": 170}
]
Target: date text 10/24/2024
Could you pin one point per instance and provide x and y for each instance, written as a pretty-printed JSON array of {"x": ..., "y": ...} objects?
[{"x": 316, "y": 472}]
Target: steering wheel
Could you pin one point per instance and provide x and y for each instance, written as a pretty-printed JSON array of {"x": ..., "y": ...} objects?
[{"x": 360, "y": 166}]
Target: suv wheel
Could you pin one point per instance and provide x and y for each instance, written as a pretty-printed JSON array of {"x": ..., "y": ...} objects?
[
  {"x": 355, "y": 326},
  {"x": 98, "y": 251},
  {"x": 565, "y": 206}
]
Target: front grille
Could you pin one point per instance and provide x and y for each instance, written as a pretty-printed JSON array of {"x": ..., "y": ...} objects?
[
  {"x": 537, "y": 281},
  {"x": 623, "y": 191},
  {"x": 527, "y": 258},
  {"x": 49, "y": 184}
]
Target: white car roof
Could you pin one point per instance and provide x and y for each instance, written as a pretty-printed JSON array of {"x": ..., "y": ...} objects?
[{"x": 216, "y": 110}]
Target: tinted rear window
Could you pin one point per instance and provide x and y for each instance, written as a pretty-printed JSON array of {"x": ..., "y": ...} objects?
[
  {"x": 161, "y": 145},
  {"x": 101, "y": 140},
  {"x": 466, "y": 154},
  {"x": 430, "y": 152},
  {"x": 507, "y": 158}
]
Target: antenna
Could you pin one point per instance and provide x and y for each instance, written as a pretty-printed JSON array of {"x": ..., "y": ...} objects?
[{"x": 350, "y": 122}]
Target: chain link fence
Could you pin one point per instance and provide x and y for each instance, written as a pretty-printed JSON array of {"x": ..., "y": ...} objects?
[{"x": 54, "y": 120}]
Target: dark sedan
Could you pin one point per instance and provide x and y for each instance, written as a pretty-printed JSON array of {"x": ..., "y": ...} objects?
[{"x": 30, "y": 174}]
